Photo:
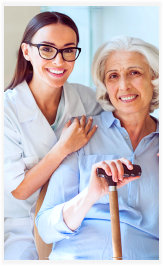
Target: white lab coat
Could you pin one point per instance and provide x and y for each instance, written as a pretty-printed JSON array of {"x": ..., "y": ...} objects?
[{"x": 28, "y": 138}]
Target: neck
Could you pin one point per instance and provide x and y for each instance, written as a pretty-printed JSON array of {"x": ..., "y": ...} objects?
[
  {"x": 138, "y": 126},
  {"x": 47, "y": 99}
]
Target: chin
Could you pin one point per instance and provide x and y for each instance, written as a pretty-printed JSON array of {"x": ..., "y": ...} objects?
[{"x": 55, "y": 84}]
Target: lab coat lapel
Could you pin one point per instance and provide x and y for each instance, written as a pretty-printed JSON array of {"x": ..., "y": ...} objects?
[
  {"x": 73, "y": 104},
  {"x": 30, "y": 114},
  {"x": 48, "y": 137}
]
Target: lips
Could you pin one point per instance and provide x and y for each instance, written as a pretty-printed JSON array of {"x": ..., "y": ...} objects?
[
  {"x": 128, "y": 98},
  {"x": 56, "y": 72}
]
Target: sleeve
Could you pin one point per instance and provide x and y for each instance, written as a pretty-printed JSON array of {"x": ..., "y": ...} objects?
[
  {"x": 88, "y": 97},
  {"x": 63, "y": 186},
  {"x": 14, "y": 166}
]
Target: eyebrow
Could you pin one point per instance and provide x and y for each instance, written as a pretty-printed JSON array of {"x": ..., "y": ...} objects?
[
  {"x": 112, "y": 70},
  {"x": 135, "y": 67},
  {"x": 115, "y": 70},
  {"x": 53, "y": 44}
]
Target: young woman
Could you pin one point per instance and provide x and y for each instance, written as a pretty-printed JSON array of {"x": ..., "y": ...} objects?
[
  {"x": 37, "y": 104},
  {"x": 75, "y": 214}
]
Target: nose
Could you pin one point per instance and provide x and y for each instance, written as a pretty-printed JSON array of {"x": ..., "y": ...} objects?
[
  {"x": 58, "y": 60},
  {"x": 123, "y": 83}
]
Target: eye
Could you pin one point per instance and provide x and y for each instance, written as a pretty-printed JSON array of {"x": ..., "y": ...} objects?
[
  {"x": 69, "y": 50},
  {"x": 47, "y": 49},
  {"x": 135, "y": 73},
  {"x": 113, "y": 76}
]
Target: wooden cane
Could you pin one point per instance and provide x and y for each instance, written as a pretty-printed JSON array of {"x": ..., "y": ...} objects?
[
  {"x": 114, "y": 215},
  {"x": 114, "y": 207},
  {"x": 115, "y": 224}
]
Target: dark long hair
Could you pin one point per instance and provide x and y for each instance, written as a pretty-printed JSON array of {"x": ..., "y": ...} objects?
[{"x": 24, "y": 70}]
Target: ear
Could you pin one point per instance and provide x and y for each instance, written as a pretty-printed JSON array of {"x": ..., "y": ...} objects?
[
  {"x": 153, "y": 75},
  {"x": 25, "y": 51}
]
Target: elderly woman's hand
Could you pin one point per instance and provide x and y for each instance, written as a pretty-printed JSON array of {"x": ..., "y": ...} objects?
[
  {"x": 98, "y": 186},
  {"x": 117, "y": 171}
]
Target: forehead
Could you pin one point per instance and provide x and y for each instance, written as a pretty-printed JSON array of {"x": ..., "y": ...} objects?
[
  {"x": 55, "y": 33},
  {"x": 118, "y": 59}
]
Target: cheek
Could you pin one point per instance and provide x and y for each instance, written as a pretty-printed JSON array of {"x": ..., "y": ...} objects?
[
  {"x": 141, "y": 83},
  {"x": 145, "y": 88},
  {"x": 111, "y": 89},
  {"x": 138, "y": 83},
  {"x": 150, "y": 91},
  {"x": 70, "y": 66},
  {"x": 38, "y": 64},
  {"x": 36, "y": 61}
]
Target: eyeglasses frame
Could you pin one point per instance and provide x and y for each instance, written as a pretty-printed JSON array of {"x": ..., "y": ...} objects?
[{"x": 58, "y": 50}]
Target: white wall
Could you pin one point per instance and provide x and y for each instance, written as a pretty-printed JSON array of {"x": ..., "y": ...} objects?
[
  {"x": 136, "y": 21},
  {"x": 16, "y": 19}
]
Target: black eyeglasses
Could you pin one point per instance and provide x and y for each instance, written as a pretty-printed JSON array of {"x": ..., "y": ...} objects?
[{"x": 49, "y": 52}]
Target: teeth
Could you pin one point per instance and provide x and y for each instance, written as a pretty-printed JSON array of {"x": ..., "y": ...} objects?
[
  {"x": 128, "y": 98},
  {"x": 56, "y": 71}
]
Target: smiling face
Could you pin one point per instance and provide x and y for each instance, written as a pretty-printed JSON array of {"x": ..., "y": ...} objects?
[
  {"x": 128, "y": 82},
  {"x": 52, "y": 73}
]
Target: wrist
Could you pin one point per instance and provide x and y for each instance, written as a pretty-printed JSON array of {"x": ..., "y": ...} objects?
[
  {"x": 63, "y": 150},
  {"x": 57, "y": 153},
  {"x": 89, "y": 197},
  {"x": 93, "y": 194}
]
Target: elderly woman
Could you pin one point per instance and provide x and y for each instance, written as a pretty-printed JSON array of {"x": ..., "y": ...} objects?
[{"x": 75, "y": 214}]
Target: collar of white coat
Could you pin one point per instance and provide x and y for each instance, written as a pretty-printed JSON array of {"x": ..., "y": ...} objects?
[{"x": 25, "y": 101}]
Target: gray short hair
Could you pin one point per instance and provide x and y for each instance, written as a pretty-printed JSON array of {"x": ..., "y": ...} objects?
[{"x": 149, "y": 51}]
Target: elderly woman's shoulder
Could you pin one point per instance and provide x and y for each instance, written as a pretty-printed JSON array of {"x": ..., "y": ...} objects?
[{"x": 104, "y": 119}]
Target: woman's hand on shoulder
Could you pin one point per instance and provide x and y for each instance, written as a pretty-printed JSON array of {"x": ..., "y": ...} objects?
[{"x": 76, "y": 134}]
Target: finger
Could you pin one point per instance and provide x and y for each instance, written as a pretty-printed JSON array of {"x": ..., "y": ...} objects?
[
  {"x": 114, "y": 171},
  {"x": 102, "y": 165},
  {"x": 88, "y": 124},
  {"x": 82, "y": 121},
  {"x": 129, "y": 179},
  {"x": 67, "y": 124},
  {"x": 91, "y": 132},
  {"x": 76, "y": 121},
  {"x": 126, "y": 180},
  {"x": 127, "y": 163},
  {"x": 105, "y": 185},
  {"x": 120, "y": 169}
]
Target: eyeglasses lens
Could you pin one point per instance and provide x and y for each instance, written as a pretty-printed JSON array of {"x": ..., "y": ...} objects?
[
  {"x": 69, "y": 54},
  {"x": 47, "y": 52}
]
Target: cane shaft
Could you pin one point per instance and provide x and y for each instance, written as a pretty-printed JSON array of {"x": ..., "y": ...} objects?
[{"x": 115, "y": 225}]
